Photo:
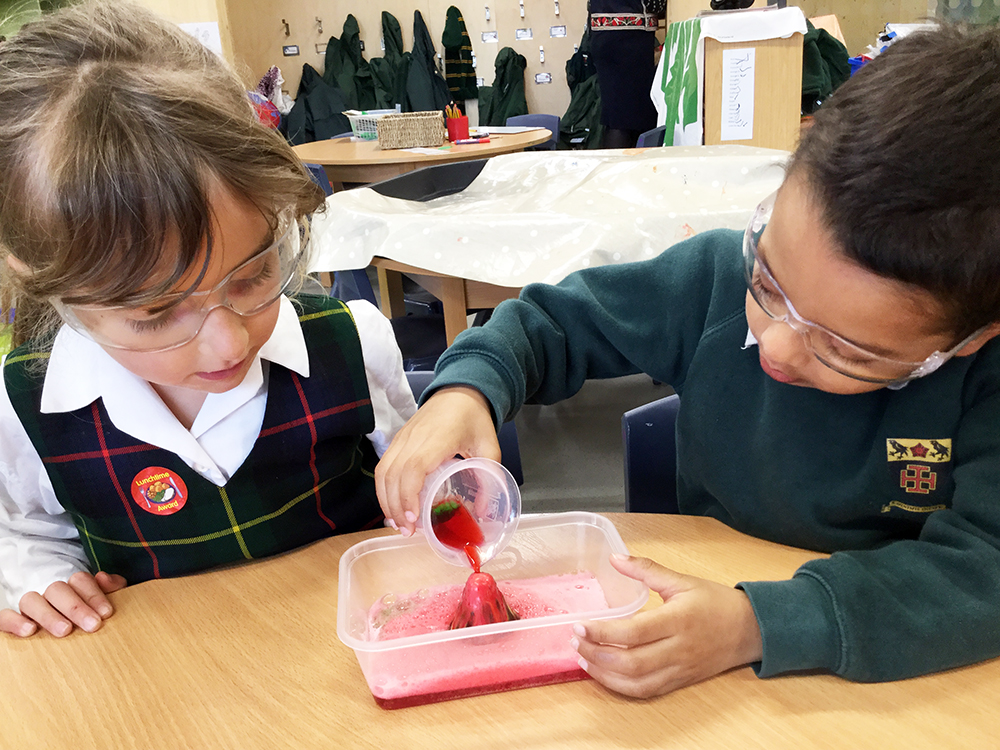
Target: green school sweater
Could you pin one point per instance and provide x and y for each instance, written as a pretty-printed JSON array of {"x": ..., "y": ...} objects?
[{"x": 903, "y": 487}]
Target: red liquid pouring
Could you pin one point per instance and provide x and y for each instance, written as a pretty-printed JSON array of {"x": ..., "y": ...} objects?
[{"x": 482, "y": 602}]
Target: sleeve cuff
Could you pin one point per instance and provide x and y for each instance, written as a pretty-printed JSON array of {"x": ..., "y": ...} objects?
[
  {"x": 475, "y": 372},
  {"x": 798, "y": 625}
]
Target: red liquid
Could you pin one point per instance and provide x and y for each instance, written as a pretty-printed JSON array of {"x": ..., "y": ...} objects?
[
  {"x": 459, "y": 667},
  {"x": 482, "y": 603},
  {"x": 500, "y": 681},
  {"x": 455, "y": 527}
]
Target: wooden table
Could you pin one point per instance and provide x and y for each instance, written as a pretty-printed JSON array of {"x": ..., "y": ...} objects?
[
  {"x": 349, "y": 160},
  {"x": 457, "y": 295},
  {"x": 249, "y": 658}
]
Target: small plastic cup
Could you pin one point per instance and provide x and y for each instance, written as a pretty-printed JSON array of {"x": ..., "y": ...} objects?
[{"x": 488, "y": 492}]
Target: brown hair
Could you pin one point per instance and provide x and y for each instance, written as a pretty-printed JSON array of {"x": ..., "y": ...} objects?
[
  {"x": 114, "y": 125},
  {"x": 903, "y": 161}
]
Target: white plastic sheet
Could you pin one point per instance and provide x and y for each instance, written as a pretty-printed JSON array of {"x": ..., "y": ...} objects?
[{"x": 539, "y": 216}]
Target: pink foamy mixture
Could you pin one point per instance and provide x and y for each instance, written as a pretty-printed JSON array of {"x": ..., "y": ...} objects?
[{"x": 478, "y": 664}]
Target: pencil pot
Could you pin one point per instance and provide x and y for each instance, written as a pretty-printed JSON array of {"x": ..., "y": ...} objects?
[{"x": 458, "y": 128}]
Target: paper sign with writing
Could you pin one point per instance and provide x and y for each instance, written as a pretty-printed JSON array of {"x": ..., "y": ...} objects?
[{"x": 737, "y": 93}]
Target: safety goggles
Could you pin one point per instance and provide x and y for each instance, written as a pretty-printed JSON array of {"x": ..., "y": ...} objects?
[
  {"x": 247, "y": 290},
  {"x": 834, "y": 351}
]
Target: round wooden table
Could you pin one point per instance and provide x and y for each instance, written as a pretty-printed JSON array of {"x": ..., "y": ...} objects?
[
  {"x": 350, "y": 160},
  {"x": 248, "y": 658}
]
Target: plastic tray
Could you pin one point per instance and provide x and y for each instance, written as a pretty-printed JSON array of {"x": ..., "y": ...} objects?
[{"x": 451, "y": 664}]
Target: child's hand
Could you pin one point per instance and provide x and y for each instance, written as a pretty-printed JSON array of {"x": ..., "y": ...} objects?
[
  {"x": 454, "y": 421},
  {"x": 81, "y": 601},
  {"x": 702, "y": 628}
]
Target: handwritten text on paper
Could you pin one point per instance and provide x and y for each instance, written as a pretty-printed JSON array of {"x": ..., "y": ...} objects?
[{"x": 737, "y": 94}]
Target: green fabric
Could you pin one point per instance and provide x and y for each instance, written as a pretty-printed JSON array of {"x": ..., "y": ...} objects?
[
  {"x": 912, "y": 585},
  {"x": 458, "y": 69},
  {"x": 824, "y": 66},
  {"x": 580, "y": 127},
  {"x": 681, "y": 76},
  {"x": 346, "y": 67},
  {"x": 426, "y": 89},
  {"x": 390, "y": 72},
  {"x": 505, "y": 98},
  {"x": 318, "y": 110},
  {"x": 580, "y": 66}
]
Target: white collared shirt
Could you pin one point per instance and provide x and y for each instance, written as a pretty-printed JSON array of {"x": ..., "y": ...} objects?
[{"x": 39, "y": 543}]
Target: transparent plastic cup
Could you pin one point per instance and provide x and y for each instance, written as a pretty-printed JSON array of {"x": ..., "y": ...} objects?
[{"x": 490, "y": 495}]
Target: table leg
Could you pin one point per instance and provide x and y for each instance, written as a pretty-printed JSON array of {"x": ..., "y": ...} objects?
[
  {"x": 390, "y": 285},
  {"x": 452, "y": 294}
]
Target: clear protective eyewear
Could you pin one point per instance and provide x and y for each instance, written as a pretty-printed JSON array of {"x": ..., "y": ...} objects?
[
  {"x": 247, "y": 290},
  {"x": 834, "y": 351}
]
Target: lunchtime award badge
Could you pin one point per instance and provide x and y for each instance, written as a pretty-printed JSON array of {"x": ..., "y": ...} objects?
[{"x": 159, "y": 491}]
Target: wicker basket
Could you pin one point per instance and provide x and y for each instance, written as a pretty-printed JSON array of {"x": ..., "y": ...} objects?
[{"x": 411, "y": 130}]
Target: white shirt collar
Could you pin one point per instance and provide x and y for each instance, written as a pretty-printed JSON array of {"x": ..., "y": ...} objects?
[
  {"x": 80, "y": 371},
  {"x": 750, "y": 340}
]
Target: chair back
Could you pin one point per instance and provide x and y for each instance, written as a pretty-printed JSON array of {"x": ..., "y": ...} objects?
[
  {"x": 650, "y": 443},
  {"x": 510, "y": 452},
  {"x": 652, "y": 138},
  {"x": 431, "y": 182},
  {"x": 549, "y": 122}
]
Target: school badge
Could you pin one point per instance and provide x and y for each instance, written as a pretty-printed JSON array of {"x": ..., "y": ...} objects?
[
  {"x": 920, "y": 469},
  {"x": 159, "y": 491}
]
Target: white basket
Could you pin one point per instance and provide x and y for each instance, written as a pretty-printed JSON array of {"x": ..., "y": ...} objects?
[{"x": 363, "y": 125}]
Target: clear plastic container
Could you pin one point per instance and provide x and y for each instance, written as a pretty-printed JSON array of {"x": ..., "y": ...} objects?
[
  {"x": 449, "y": 664},
  {"x": 489, "y": 493}
]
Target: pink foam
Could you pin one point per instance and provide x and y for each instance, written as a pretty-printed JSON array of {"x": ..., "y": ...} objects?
[{"x": 463, "y": 666}]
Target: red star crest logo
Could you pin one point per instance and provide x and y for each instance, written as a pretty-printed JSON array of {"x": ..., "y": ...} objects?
[{"x": 919, "y": 450}]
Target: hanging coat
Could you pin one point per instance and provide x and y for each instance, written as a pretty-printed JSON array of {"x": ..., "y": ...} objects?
[
  {"x": 580, "y": 127},
  {"x": 506, "y": 97},
  {"x": 458, "y": 69},
  {"x": 426, "y": 89},
  {"x": 824, "y": 67},
  {"x": 389, "y": 72},
  {"x": 317, "y": 113},
  {"x": 347, "y": 69}
]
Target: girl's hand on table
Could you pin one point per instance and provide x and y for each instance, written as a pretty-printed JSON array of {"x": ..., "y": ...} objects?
[
  {"x": 701, "y": 629},
  {"x": 456, "y": 420},
  {"x": 81, "y": 601}
]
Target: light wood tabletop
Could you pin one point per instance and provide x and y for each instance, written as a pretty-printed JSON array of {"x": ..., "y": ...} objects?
[
  {"x": 357, "y": 161},
  {"x": 249, "y": 658}
]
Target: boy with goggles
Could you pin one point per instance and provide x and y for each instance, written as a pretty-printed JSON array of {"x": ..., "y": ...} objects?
[{"x": 839, "y": 372}]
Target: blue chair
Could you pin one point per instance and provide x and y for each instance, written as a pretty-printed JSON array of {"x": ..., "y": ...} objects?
[
  {"x": 551, "y": 122},
  {"x": 652, "y": 138},
  {"x": 650, "y": 442},
  {"x": 510, "y": 452}
]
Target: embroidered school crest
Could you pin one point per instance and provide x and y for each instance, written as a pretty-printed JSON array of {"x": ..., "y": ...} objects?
[
  {"x": 919, "y": 468},
  {"x": 159, "y": 491}
]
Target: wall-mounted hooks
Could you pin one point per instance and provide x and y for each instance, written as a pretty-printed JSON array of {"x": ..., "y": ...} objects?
[
  {"x": 541, "y": 54},
  {"x": 319, "y": 25},
  {"x": 487, "y": 13},
  {"x": 557, "y": 7},
  {"x": 287, "y": 30},
  {"x": 522, "y": 8}
]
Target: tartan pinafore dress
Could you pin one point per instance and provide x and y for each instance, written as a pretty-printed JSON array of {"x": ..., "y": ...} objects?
[{"x": 143, "y": 513}]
